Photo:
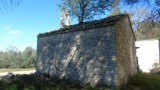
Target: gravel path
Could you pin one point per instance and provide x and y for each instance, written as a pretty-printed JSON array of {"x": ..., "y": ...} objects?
[{"x": 18, "y": 72}]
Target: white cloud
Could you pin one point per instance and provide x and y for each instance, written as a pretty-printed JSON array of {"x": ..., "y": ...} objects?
[
  {"x": 14, "y": 32},
  {"x": 6, "y": 38},
  {"x": 10, "y": 34},
  {"x": 11, "y": 31},
  {"x": 6, "y": 28},
  {"x": 33, "y": 32}
]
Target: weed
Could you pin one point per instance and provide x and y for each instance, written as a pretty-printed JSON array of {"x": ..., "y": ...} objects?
[
  {"x": 42, "y": 82},
  {"x": 145, "y": 81}
]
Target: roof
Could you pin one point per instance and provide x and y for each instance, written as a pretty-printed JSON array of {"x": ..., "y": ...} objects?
[{"x": 111, "y": 20}]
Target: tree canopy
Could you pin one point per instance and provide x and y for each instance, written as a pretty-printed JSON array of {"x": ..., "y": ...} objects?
[
  {"x": 144, "y": 14},
  {"x": 147, "y": 19},
  {"x": 12, "y": 58},
  {"x": 152, "y": 8},
  {"x": 148, "y": 30},
  {"x": 87, "y": 9}
]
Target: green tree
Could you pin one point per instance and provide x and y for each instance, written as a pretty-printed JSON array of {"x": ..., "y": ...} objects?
[
  {"x": 116, "y": 11},
  {"x": 3, "y": 63},
  {"x": 153, "y": 7},
  {"x": 148, "y": 30},
  {"x": 11, "y": 56},
  {"x": 87, "y": 9},
  {"x": 29, "y": 57},
  {"x": 143, "y": 29}
]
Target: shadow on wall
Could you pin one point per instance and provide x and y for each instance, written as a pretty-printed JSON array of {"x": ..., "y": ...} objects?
[{"x": 85, "y": 56}]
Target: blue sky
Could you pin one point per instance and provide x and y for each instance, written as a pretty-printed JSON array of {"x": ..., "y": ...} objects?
[{"x": 20, "y": 27}]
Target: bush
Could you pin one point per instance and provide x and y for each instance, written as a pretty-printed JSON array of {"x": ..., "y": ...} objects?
[
  {"x": 145, "y": 81},
  {"x": 141, "y": 81}
]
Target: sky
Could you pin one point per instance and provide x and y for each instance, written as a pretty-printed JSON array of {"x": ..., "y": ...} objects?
[{"x": 19, "y": 27}]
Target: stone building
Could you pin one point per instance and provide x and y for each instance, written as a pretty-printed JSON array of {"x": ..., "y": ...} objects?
[{"x": 99, "y": 52}]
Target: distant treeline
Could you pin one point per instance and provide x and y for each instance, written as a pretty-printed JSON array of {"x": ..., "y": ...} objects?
[{"x": 12, "y": 58}]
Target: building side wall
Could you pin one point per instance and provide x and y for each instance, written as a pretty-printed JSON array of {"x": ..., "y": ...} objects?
[
  {"x": 126, "y": 52},
  {"x": 88, "y": 56}
]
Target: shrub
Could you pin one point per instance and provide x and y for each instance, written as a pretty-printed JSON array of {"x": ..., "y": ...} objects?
[
  {"x": 145, "y": 81},
  {"x": 42, "y": 82}
]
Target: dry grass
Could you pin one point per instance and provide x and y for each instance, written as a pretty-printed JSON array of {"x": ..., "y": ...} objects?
[{"x": 12, "y": 70}]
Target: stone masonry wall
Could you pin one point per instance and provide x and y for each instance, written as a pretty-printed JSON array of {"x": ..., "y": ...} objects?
[
  {"x": 88, "y": 56},
  {"x": 125, "y": 51}
]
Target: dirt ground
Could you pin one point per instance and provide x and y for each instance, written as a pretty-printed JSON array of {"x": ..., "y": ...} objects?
[{"x": 18, "y": 72}]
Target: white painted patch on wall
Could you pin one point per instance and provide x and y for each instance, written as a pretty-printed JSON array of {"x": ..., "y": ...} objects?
[{"x": 148, "y": 54}]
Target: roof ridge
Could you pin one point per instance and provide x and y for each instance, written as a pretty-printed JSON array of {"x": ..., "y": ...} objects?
[{"x": 87, "y": 25}]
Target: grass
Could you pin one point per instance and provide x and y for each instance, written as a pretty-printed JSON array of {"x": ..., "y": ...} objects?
[
  {"x": 12, "y": 70},
  {"x": 141, "y": 81},
  {"x": 144, "y": 81},
  {"x": 43, "y": 82}
]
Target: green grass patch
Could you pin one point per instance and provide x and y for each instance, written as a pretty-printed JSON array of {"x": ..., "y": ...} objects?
[
  {"x": 141, "y": 81},
  {"x": 145, "y": 81},
  {"x": 43, "y": 82},
  {"x": 13, "y": 70}
]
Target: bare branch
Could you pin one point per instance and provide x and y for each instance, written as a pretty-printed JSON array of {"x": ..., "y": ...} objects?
[{"x": 8, "y": 4}]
